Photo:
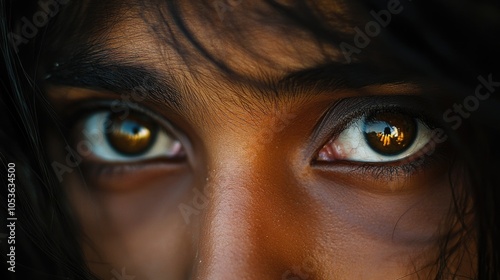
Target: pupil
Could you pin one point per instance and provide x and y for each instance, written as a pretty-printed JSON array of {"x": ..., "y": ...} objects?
[
  {"x": 387, "y": 130},
  {"x": 131, "y": 136},
  {"x": 390, "y": 133}
]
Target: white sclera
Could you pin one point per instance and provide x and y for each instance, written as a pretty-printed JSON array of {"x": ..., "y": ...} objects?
[
  {"x": 95, "y": 132},
  {"x": 351, "y": 144}
]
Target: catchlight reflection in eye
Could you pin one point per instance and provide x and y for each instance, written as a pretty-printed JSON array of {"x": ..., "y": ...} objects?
[
  {"x": 389, "y": 133},
  {"x": 378, "y": 137},
  {"x": 134, "y": 137}
]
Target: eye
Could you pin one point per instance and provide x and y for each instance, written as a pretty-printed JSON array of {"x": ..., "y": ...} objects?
[
  {"x": 378, "y": 137},
  {"x": 134, "y": 137}
]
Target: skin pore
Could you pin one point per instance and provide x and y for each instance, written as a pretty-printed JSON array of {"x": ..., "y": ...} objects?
[{"x": 246, "y": 197}]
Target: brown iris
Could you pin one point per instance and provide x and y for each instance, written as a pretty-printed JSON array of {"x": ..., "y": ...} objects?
[
  {"x": 390, "y": 133},
  {"x": 132, "y": 135}
]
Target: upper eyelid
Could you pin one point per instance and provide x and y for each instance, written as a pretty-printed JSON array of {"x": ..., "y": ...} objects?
[
  {"x": 87, "y": 108},
  {"x": 347, "y": 110}
]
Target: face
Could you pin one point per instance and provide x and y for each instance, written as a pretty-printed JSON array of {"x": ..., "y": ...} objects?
[{"x": 268, "y": 158}]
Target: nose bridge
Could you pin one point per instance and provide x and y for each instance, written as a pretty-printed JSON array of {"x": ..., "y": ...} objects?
[
  {"x": 240, "y": 228},
  {"x": 229, "y": 243}
]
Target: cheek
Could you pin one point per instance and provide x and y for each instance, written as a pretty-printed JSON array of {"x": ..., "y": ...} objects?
[
  {"x": 141, "y": 230},
  {"x": 381, "y": 232}
]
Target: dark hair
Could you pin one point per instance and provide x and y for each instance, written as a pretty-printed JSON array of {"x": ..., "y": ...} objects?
[{"x": 452, "y": 43}]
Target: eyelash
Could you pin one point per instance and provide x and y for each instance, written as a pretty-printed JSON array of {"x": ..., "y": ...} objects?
[
  {"x": 389, "y": 170},
  {"x": 394, "y": 171},
  {"x": 411, "y": 112}
]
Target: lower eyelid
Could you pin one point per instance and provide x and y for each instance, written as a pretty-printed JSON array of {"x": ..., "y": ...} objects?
[
  {"x": 130, "y": 176},
  {"x": 385, "y": 178},
  {"x": 429, "y": 162}
]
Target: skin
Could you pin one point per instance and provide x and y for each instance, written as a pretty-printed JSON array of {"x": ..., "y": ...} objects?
[{"x": 261, "y": 208}]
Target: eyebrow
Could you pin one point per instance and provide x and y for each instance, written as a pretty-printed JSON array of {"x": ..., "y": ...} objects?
[
  {"x": 95, "y": 70},
  {"x": 334, "y": 76}
]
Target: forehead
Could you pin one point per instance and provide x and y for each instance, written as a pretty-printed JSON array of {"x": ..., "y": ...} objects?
[{"x": 252, "y": 38}]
